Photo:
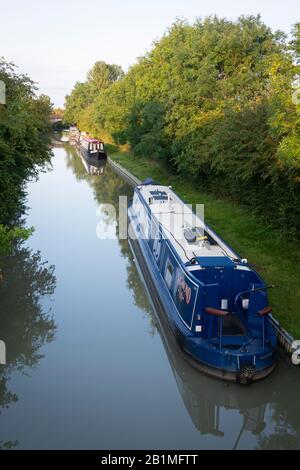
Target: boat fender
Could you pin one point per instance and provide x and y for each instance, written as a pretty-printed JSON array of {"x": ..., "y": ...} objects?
[
  {"x": 296, "y": 352},
  {"x": 246, "y": 374}
]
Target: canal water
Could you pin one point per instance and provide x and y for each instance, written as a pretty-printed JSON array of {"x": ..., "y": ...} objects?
[{"x": 87, "y": 365}]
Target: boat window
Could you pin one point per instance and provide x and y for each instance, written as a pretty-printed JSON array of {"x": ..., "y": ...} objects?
[
  {"x": 101, "y": 146},
  {"x": 169, "y": 273},
  {"x": 156, "y": 247}
]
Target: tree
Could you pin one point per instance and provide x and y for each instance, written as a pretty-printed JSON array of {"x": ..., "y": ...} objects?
[
  {"x": 24, "y": 146},
  {"x": 215, "y": 99},
  {"x": 102, "y": 75},
  {"x": 77, "y": 101},
  {"x": 79, "y": 107},
  {"x": 295, "y": 43}
]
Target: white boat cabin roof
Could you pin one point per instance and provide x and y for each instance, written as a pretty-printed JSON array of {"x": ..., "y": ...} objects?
[{"x": 186, "y": 231}]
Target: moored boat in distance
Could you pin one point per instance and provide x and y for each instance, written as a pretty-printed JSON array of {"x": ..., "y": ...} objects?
[
  {"x": 89, "y": 147},
  {"x": 74, "y": 135},
  {"x": 92, "y": 148},
  {"x": 215, "y": 303}
]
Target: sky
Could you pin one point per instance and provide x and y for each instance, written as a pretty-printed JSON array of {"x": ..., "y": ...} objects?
[{"x": 56, "y": 42}]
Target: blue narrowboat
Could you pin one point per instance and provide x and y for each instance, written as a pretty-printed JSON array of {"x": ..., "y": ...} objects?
[{"x": 214, "y": 302}]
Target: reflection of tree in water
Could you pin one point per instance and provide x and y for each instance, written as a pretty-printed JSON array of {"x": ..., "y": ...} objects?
[
  {"x": 135, "y": 285},
  {"x": 107, "y": 188},
  {"x": 284, "y": 409},
  {"x": 24, "y": 325},
  {"x": 8, "y": 445},
  {"x": 284, "y": 437},
  {"x": 73, "y": 161}
]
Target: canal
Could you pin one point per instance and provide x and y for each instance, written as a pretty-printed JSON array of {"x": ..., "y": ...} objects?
[{"x": 87, "y": 365}]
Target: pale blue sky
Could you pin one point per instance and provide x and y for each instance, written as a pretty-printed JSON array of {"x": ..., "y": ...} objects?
[{"x": 57, "y": 41}]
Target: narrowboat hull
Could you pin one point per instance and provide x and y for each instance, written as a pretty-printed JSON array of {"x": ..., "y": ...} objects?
[
  {"x": 100, "y": 155},
  {"x": 201, "y": 355}
]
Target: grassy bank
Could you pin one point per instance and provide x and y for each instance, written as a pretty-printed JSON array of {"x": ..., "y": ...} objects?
[{"x": 276, "y": 259}]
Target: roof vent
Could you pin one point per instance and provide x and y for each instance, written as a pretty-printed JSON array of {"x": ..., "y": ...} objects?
[
  {"x": 191, "y": 234},
  {"x": 198, "y": 234},
  {"x": 159, "y": 195}
]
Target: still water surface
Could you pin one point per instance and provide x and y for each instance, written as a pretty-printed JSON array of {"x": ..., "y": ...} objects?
[{"x": 87, "y": 366}]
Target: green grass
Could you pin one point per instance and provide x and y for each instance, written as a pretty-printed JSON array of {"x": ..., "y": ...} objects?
[{"x": 273, "y": 256}]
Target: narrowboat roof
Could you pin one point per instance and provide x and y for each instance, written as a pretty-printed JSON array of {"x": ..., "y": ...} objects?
[{"x": 190, "y": 237}]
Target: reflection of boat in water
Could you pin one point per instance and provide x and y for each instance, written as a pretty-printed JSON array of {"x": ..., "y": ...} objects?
[
  {"x": 65, "y": 137},
  {"x": 215, "y": 303},
  {"x": 264, "y": 412},
  {"x": 93, "y": 166},
  {"x": 206, "y": 400}
]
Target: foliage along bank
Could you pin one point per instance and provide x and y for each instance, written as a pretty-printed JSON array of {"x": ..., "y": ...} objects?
[
  {"x": 215, "y": 100},
  {"x": 24, "y": 148}
]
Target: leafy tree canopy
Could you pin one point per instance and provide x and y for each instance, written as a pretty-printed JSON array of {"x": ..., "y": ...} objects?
[
  {"x": 24, "y": 146},
  {"x": 215, "y": 98}
]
